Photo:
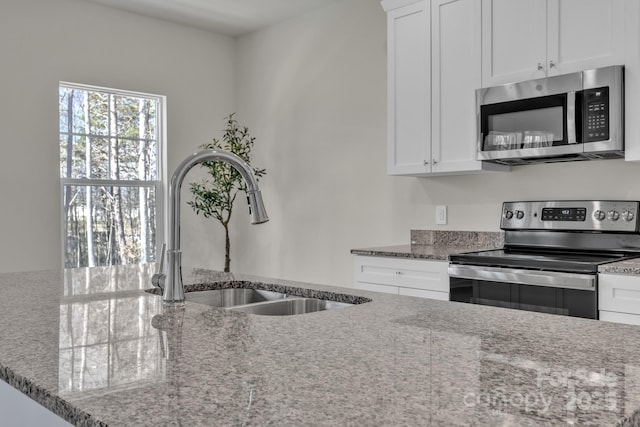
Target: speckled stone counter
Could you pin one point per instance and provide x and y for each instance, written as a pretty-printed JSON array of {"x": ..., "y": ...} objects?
[
  {"x": 631, "y": 267},
  {"x": 94, "y": 347},
  {"x": 437, "y": 245}
]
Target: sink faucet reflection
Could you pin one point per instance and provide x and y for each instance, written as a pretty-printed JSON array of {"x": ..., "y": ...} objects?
[{"x": 171, "y": 282}]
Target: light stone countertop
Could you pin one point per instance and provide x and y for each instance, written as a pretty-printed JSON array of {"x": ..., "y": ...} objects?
[
  {"x": 437, "y": 245},
  {"x": 630, "y": 267},
  {"x": 428, "y": 252},
  {"x": 94, "y": 347}
]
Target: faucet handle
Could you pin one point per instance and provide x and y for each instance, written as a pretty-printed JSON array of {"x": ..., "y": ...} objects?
[
  {"x": 159, "y": 277},
  {"x": 162, "y": 257}
]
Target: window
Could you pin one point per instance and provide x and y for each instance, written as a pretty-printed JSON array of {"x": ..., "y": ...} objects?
[{"x": 110, "y": 152}]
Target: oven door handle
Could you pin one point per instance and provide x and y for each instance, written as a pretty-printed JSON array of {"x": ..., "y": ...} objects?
[{"x": 552, "y": 279}]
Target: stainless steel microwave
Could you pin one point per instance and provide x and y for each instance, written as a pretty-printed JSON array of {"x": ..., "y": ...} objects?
[{"x": 577, "y": 116}]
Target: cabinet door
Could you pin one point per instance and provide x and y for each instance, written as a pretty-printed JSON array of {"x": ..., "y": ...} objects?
[
  {"x": 619, "y": 293},
  {"x": 614, "y": 317},
  {"x": 409, "y": 76},
  {"x": 456, "y": 71},
  {"x": 377, "y": 288},
  {"x": 632, "y": 81},
  {"x": 584, "y": 34},
  {"x": 513, "y": 40},
  {"x": 421, "y": 293}
]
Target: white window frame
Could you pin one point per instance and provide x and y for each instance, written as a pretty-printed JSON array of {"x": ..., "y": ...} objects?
[{"x": 161, "y": 184}]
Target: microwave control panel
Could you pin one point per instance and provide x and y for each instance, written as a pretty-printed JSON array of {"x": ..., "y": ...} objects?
[{"x": 596, "y": 114}]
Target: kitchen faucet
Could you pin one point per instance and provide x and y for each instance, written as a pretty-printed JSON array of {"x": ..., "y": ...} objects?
[{"x": 171, "y": 282}]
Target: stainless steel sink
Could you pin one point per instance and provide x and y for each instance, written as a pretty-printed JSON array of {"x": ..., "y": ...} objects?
[
  {"x": 261, "y": 302},
  {"x": 289, "y": 306},
  {"x": 232, "y": 297}
]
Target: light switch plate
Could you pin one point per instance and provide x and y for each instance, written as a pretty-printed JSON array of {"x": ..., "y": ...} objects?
[{"x": 441, "y": 214}]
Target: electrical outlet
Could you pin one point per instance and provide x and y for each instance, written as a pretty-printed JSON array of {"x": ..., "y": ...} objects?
[{"x": 441, "y": 215}]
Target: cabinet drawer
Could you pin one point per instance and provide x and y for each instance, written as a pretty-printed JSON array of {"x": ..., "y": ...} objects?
[
  {"x": 377, "y": 288},
  {"x": 407, "y": 273},
  {"x": 421, "y": 293},
  {"x": 619, "y": 293},
  {"x": 612, "y": 316}
]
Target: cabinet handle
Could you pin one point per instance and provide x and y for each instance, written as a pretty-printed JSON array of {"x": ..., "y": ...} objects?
[
  {"x": 540, "y": 67},
  {"x": 425, "y": 162},
  {"x": 434, "y": 162},
  {"x": 552, "y": 64}
]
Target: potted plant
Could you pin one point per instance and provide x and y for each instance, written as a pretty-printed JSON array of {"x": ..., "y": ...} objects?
[{"x": 214, "y": 196}]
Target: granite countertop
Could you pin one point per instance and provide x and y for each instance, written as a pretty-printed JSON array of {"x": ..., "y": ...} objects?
[
  {"x": 437, "y": 245},
  {"x": 630, "y": 266},
  {"x": 94, "y": 347}
]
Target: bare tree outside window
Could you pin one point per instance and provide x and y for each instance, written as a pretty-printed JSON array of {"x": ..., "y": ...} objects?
[{"x": 109, "y": 168}]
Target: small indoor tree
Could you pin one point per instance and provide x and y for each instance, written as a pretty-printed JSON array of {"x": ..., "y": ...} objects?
[{"x": 214, "y": 196}]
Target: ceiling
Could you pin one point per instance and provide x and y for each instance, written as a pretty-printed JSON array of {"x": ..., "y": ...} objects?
[{"x": 230, "y": 17}]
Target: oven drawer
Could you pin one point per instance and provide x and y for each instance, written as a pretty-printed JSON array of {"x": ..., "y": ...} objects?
[{"x": 619, "y": 293}]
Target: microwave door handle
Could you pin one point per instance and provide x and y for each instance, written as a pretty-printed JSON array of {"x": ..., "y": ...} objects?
[
  {"x": 571, "y": 117},
  {"x": 480, "y": 147}
]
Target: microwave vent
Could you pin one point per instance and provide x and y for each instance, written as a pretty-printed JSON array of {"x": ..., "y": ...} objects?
[{"x": 557, "y": 159}]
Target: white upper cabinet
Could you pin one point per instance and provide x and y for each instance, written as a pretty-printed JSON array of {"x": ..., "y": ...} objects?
[
  {"x": 455, "y": 76},
  {"x": 528, "y": 39},
  {"x": 513, "y": 39},
  {"x": 584, "y": 34},
  {"x": 434, "y": 68},
  {"x": 409, "y": 88}
]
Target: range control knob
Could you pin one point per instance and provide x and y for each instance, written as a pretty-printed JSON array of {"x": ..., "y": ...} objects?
[
  {"x": 614, "y": 215},
  {"x": 627, "y": 215},
  {"x": 519, "y": 214},
  {"x": 599, "y": 215},
  {"x": 508, "y": 214}
]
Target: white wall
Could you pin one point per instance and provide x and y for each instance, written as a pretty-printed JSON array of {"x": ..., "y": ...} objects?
[
  {"x": 312, "y": 90},
  {"x": 45, "y": 41}
]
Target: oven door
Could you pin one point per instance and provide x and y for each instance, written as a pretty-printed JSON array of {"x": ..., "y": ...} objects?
[{"x": 568, "y": 294}]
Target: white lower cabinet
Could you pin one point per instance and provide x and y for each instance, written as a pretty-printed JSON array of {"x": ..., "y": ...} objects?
[
  {"x": 619, "y": 298},
  {"x": 410, "y": 277},
  {"x": 376, "y": 287},
  {"x": 423, "y": 293}
]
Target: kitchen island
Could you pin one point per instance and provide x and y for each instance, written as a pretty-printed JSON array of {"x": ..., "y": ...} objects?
[{"x": 92, "y": 346}]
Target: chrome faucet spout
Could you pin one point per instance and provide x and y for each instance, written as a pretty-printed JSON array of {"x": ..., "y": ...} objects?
[{"x": 173, "y": 288}]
